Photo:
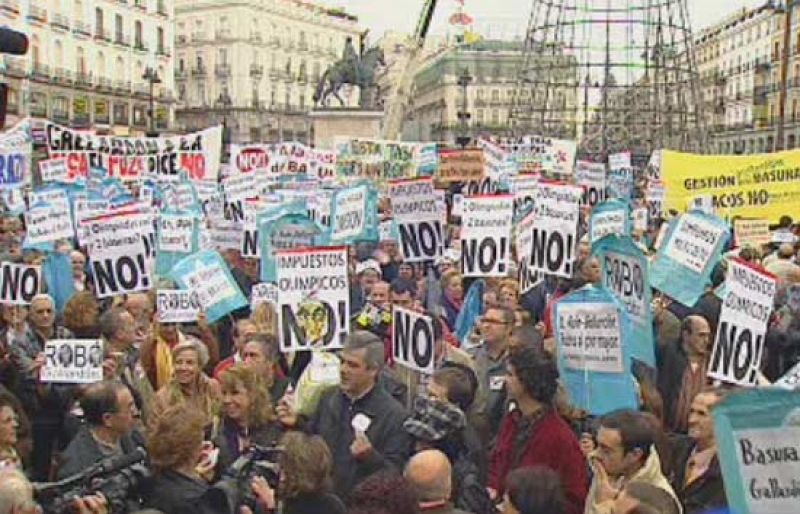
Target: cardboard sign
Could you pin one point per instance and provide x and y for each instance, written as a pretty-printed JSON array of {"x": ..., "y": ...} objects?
[
  {"x": 264, "y": 292},
  {"x": 419, "y": 221},
  {"x": 54, "y": 170},
  {"x": 240, "y": 186},
  {"x": 413, "y": 342},
  {"x": 118, "y": 256},
  {"x": 640, "y": 219},
  {"x": 591, "y": 337},
  {"x": 19, "y": 283},
  {"x": 790, "y": 380},
  {"x": 524, "y": 188},
  {"x": 314, "y": 298},
  {"x": 16, "y": 147},
  {"x": 538, "y": 154},
  {"x": 206, "y": 273},
  {"x": 486, "y": 235},
  {"x": 693, "y": 242},
  {"x": 72, "y": 361},
  {"x": 611, "y": 220},
  {"x": 528, "y": 277},
  {"x": 752, "y": 232},
  {"x": 591, "y": 176},
  {"x": 349, "y": 214},
  {"x": 175, "y": 233},
  {"x": 48, "y": 223},
  {"x": 250, "y": 248},
  {"x": 376, "y": 160},
  {"x": 554, "y": 235},
  {"x": 746, "y": 308},
  {"x": 131, "y": 158},
  {"x": 177, "y": 306},
  {"x": 226, "y": 235},
  {"x": 460, "y": 165}
]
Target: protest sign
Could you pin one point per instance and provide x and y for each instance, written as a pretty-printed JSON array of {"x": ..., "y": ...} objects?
[
  {"x": 746, "y": 308},
  {"x": 131, "y": 158},
  {"x": 118, "y": 256},
  {"x": 250, "y": 249},
  {"x": 790, "y": 380},
  {"x": 72, "y": 361},
  {"x": 289, "y": 160},
  {"x": 206, "y": 274},
  {"x": 655, "y": 196},
  {"x": 619, "y": 183},
  {"x": 591, "y": 176},
  {"x": 619, "y": 160},
  {"x": 763, "y": 186},
  {"x": 609, "y": 217},
  {"x": 524, "y": 188},
  {"x": 19, "y": 283},
  {"x": 640, "y": 220},
  {"x": 690, "y": 249},
  {"x": 251, "y": 158},
  {"x": 593, "y": 359},
  {"x": 349, "y": 214},
  {"x": 624, "y": 273},
  {"x": 313, "y": 299},
  {"x": 264, "y": 292},
  {"x": 177, "y": 306},
  {"x": 54, "y": 170},
  {"x": 751, "y": 232},
  {"x": 376, "y": 160},
  {"x": 419, "y": 221},
  {"x": 413, "y": 342},
  {"x": 47, "y": 223},
  {"x": 176, "y": 233},
  {"x": 528, "y": 277},
  {"x": 16, "y": 147},
  {"x": 240, "y": 186},
  {"x": 554, "y": 235},
  {"x": 322, "y": 165},
  {"x": 538, "y": 154},
  {"x": 653, "y": 170},
  {"x": 486, "y": 235},
  {"x": 13, "y": 200},
  {"x": 757, "y": 433},
  {"x": 460, "y": 165},
  {"x": 426, "y": 156}
]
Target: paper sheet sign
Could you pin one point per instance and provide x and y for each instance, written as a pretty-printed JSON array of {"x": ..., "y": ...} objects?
[{"x": 72, "y": 361}]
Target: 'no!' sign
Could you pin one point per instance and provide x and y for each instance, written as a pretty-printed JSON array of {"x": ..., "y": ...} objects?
[{"x": 413, "y": 342}]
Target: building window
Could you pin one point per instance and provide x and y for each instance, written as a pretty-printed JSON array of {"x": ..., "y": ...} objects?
[
  {"x": 790, "y": 143},
  {"x": 160, "y": 39},
  {"x": 137, "y": 34},
  {"x": 222, "y": 56},
  {"x": 119, "y": 31},
  {"x": 98, "y": 20}
]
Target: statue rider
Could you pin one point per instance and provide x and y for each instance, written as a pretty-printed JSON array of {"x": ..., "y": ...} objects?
[{"x": 352, "y": 59}]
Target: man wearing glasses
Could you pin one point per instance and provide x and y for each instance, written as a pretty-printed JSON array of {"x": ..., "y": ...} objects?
[{"x": 491, "y": 358}]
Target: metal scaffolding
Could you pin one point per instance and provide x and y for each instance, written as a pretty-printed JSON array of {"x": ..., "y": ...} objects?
[{"x": 617, "y": 75}]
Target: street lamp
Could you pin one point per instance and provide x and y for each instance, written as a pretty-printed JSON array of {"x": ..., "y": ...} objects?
[
  {"x": 464, "y": 80},
  {"x": 151, "y": 76}
]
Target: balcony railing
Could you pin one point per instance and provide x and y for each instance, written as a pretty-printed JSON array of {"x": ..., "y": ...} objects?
[
  {"x": 199, "y": 71},
  {"x": 105, "y": 84},
  {"x": 222, "y": 70},
  {"x": 162, "y": 51},
  {"x": 83, "y": 79},
  {"x": 81, "y": 27},
  {"x": 223, "y": 35},
  {"x": 141, "y": 88},
  {"x": 122, "y": 86},
  {"x": 255, "y": 37},
  {"x": 40, "y": 71},
  {"x": 180, "y": 74},
  {"x": 60, "y": 21},
  {"x": 9, "y": 6},
  {"x": 37, "y": 13},
  {"x": 15, "y": 68},
  {"x": 161, "y": 9},
  {"x": 256, "y": 70},
  {"x": 139, "y": 4},
  {"x": 199, "y": 36},
  {"x": 122, "y": 39},
  {"x": 139, "y": 46},
  {"x": 101, "y": 34},
  {"x": 62, "y": 75}
]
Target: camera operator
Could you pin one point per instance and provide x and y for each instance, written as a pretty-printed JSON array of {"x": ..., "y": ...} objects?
[
  {"x": 110, "y": 413},
  {"x": 16, "y": 497},
  {"x": 180, "y": 459}
]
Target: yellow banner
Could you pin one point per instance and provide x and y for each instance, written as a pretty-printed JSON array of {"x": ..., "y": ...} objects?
[{"x": 765, "y": 186}]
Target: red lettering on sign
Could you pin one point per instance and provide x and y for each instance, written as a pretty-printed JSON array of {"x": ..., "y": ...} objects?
[{"x": 195, "y": 166}]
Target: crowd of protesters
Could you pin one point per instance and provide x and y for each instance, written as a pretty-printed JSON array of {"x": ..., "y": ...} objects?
[{"x": 491, "y": 430}]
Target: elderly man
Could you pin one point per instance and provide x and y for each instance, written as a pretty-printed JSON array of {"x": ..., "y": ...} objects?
[
  {"x": 361, "y": 423},
  {"x": 46, "y": 404},
  {"x": 16, "y": 497},
  {"x": 430, "y": 475}
]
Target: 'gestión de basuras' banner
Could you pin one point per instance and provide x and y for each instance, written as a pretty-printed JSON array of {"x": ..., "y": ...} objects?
[
  {"x": 753, "y": 186},
  {"x": 132, "y": 158}
]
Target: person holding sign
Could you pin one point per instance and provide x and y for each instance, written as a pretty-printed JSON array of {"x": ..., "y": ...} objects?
[
  {"x": 360, "y": 421},
  {"x": 534, "y": 433}
]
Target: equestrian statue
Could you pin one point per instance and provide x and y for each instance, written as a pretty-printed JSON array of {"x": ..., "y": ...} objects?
[{"x": 351, "y": 69}]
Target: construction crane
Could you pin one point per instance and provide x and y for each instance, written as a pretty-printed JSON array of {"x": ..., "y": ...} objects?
[{"x": 393, "y": 121}]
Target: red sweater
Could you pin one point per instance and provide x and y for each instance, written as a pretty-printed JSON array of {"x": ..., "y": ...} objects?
[{"x": 552, "y": 444}]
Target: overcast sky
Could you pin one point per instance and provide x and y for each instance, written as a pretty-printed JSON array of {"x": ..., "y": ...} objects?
[{"x": 501, "y": 17}]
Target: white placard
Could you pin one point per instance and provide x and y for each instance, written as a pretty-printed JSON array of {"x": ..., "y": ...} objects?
[
  {"x": 591, "y": 337},
  {"x": 240, "y": 186},
  {"x": 743, "y": 320},
  {"x": 54, "y": 170},
  {"x": 413, "y": 342},
  {"x": 175, "y": 233},
  {"x": 349, "y": 214},
  {"x": 48, "y": 223},
  {"x": 640, "y": 219},
  {"x": 693, "y": 242},
  {"x": 72, "y": 361},
  {"x": 118, "y": 256},
  {"x": 313, "y": 299},
  {"x": 265, "y": 292},
  {"x": 419, "y": 221},
  {"x": 608, "y": 222},
  {"x": 626, "y": 279},
  {"x": 486, "y": 235},
  {"x": 554, "y": 237},
  {"x": 210, "y": 284},
  {"x": 19, "y": 283},
  {"x": 591, "y": 176},
  {"x": 177, "y": 306},
  {"x": 528, "y": 277}
]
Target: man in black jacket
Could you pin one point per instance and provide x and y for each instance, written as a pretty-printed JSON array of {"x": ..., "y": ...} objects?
[
  {"x": 361, "y": 423},
  {"x": 697, "y": 479},
  {"x": 110, "y": 412}
]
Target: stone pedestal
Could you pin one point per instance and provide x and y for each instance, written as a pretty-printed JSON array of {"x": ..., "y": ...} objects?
[{"x": 328, "y": 124}]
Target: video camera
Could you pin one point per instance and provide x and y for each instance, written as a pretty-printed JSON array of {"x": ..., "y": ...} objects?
[
  {"x": 116, "y": 478},
  {"x": 234, "y": 490}
]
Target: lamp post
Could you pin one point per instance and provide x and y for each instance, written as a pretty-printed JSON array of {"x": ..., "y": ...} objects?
[
  {"x": 224, "y": 102},
  {"x": 464, "y": 80},
  {"x": 151, "y": 76}
]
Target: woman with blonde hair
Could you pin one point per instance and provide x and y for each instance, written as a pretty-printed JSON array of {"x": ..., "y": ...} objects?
[
  {"x": 248, "y": 416},
  {"x": 189, "y": 385}
]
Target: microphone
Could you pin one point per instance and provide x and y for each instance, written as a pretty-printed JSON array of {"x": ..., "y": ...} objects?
[{"x": 13, "y": 42}]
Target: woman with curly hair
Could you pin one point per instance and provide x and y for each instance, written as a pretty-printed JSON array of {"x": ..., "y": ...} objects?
[
  {"x": 189, "y": 385},
  {"x": 384, "y": 492},
  {"x": 82, "y": 314},
  {"x": 534, "y": 433},
  {"x": 248, "y": 417}
]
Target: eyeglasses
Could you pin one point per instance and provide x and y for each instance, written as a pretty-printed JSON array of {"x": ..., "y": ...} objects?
[{"x": 493, "y": 321}]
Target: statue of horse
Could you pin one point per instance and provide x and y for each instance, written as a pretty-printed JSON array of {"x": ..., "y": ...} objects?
[{"x": 344, "y": 72}]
